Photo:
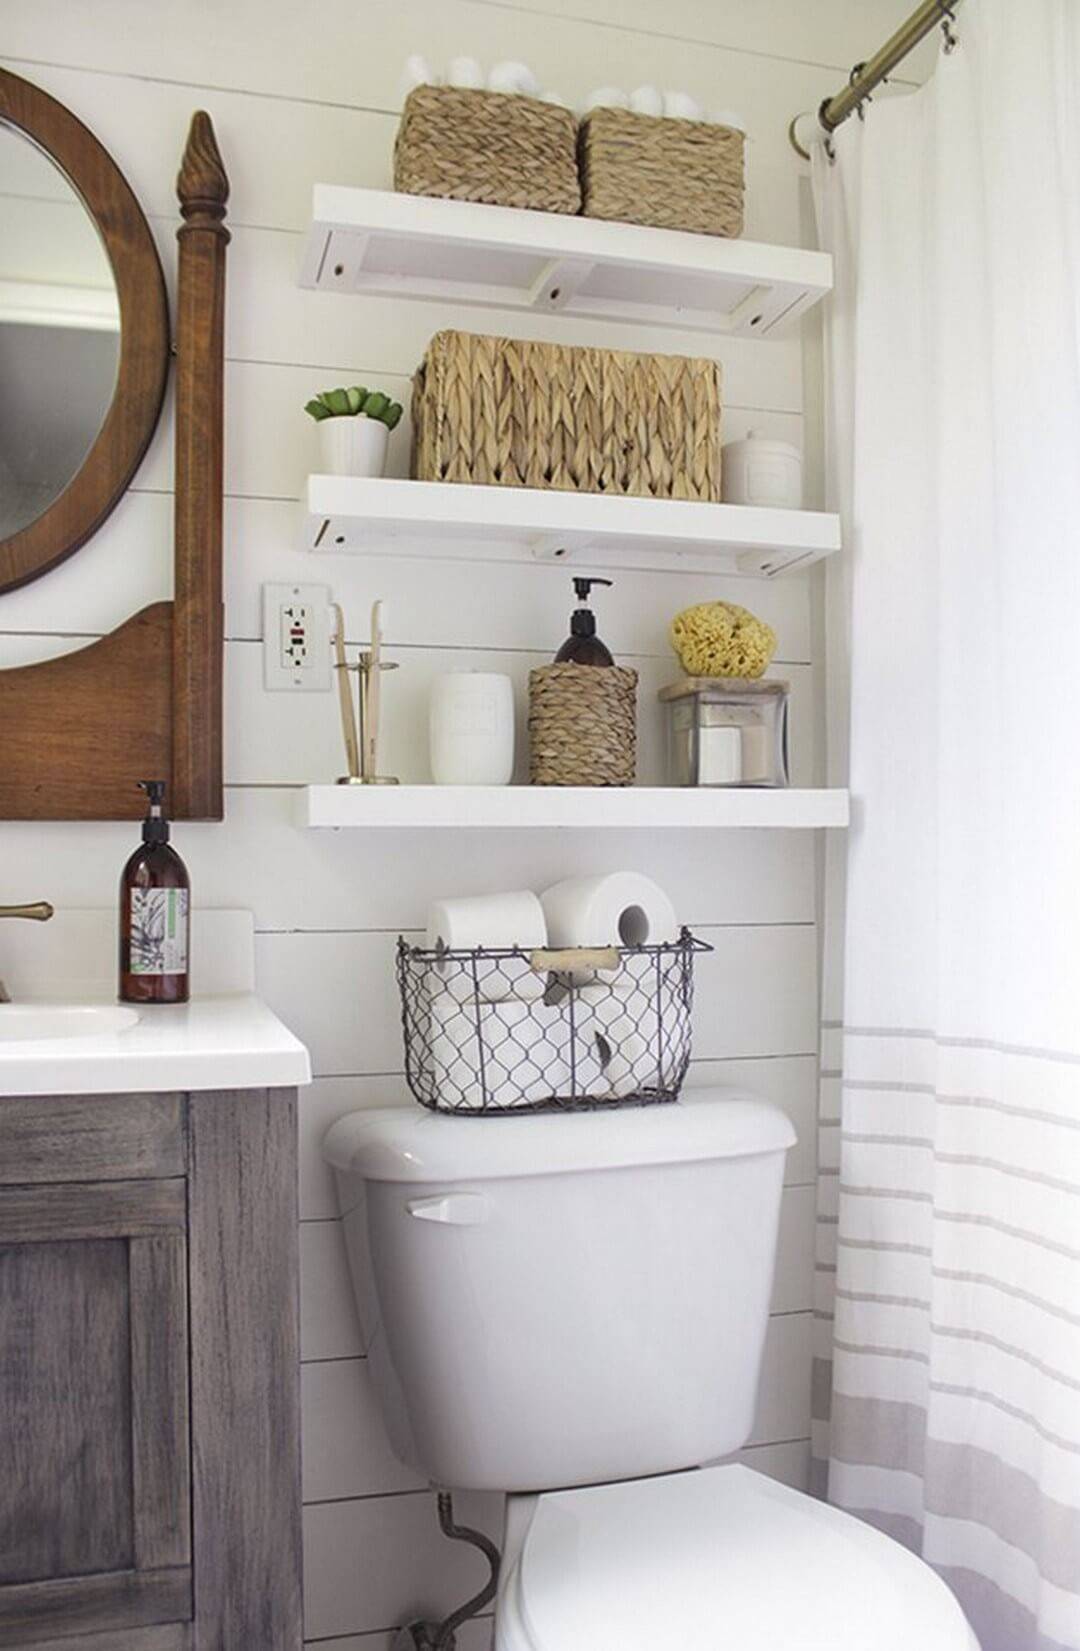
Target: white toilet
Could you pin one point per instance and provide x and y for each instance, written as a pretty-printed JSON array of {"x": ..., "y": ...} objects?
[{"x": 572, "y": 1308}]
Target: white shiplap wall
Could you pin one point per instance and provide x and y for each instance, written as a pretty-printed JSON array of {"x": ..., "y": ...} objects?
[{"x": 302, "y": 94}]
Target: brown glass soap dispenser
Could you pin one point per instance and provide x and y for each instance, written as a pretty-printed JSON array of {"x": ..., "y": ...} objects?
[
  {"x": 155, "y": 914},
  {"x": 583, "y": 646}
]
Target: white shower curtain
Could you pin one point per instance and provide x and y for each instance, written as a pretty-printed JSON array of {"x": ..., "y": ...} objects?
[{"x": 949, "y": 1241}]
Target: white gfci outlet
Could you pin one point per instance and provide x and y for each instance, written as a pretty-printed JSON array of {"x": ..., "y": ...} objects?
[{"x": 296, "y": 638}]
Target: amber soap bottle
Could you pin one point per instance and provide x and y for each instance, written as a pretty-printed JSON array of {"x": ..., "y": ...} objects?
[{"x": 155, "y": 913}]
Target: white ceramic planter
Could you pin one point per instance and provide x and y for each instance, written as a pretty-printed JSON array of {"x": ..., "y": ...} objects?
[{"x": 353, "y": 446}]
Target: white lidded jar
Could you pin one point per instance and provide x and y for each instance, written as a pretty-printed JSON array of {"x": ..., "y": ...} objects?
[
  {"x": 760, "y": 471},
  {"x": 353, "y": 446},
  {"x": 471, "y": 728}
]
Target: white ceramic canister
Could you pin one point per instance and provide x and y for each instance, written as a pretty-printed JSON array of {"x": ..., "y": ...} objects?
[
  {"x": 762, "y": 472},
  {"x": 472, "y": 728},
  {"x": 353, "y": 446}
]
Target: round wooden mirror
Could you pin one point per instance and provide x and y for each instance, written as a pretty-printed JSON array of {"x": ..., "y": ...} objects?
[{"x": 84, "y": 333}]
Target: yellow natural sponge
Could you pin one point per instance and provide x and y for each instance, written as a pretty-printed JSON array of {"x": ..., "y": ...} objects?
[{"x": 722, "y": 639}]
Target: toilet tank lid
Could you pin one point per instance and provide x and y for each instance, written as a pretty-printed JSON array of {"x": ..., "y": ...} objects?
[{"x": 411, "y": 1145}]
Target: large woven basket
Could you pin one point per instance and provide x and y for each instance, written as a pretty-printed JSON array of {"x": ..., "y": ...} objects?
[
  {"x": 582, "y": 725},
  {"x": 470, "y": 145},
  {"x": 673, "y": 174},
  {"x": 510, "y": 413}
]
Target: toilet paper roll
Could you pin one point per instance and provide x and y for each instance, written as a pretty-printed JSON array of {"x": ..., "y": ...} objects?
[
  {"x": 620, "y": 909},
  {"x": 525, "y": 1053},
  {"x": 616, "y": 1046},
  {"x": 495, "y": 920}
]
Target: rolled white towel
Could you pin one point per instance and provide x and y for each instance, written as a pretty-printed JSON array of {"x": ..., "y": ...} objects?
[
  {"x": 554, "y": 99},
  {"x": 647, "y": 100},
  {"x": 681, "y": 106},
  {"x": 728, "y": 117},
  {"x": 465, "y": 72},
  {"x": 606, "y": 97},
  {"x": 417, "y": 72},
  {"x": 513, "y": 77}
]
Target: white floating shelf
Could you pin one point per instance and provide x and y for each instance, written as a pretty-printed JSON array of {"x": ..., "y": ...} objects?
[
  {"x": 527, "y": 808},
  {"x": 376, "y": 242},
  {"x": 382, "y": 516}
]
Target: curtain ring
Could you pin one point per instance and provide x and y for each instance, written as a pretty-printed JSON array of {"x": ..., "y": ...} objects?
[{"x": 949, "y": 38}]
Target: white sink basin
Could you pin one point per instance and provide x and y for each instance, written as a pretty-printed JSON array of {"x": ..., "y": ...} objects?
[{"x": 44, "y": 1023}]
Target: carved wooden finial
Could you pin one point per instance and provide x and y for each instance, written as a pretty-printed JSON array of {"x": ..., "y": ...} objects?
[{"x": 202, "y": 186}]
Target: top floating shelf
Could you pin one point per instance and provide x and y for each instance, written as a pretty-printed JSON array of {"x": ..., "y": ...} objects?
[{"x": 413, "y": 246}]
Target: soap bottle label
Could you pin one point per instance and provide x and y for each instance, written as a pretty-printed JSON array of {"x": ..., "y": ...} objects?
[{"x": 159, "y": 931}]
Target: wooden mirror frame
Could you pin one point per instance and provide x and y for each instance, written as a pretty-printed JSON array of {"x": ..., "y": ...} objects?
[
  {"x": 145, "y": 702},
  {"x": 131, "y": 420}
]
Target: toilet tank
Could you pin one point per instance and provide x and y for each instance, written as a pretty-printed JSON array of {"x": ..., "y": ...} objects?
[{"x": 563, "y": 1299}]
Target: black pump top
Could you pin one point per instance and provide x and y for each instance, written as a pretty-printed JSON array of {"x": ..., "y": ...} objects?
[
  {"x": 582, "y": 587},
  {"x": 583, "y": 646},
  {"x": 155, "y": 826}
]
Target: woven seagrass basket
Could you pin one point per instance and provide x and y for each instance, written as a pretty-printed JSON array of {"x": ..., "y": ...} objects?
[
  {"x": 467, "y": 145},
  {"x": 672, "y": 174},
  {"x": 582, "y": 725},
  {"x": 510, "y": 413}
]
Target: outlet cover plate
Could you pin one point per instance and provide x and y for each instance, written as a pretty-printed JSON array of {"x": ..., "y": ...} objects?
[{"x": 296, "y": 638}]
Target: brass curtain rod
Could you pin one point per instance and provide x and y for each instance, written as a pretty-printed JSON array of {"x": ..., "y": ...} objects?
[{"x": 865, "y": 77}]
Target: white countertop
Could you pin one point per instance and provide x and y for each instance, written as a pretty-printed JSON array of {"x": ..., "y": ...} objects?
[
  {"x": 228, "y": 1042},
  {"x": 225, "y": 1038}
]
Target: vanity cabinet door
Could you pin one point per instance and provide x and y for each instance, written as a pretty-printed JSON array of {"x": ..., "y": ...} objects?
[{"x": 95, "y": 1502}]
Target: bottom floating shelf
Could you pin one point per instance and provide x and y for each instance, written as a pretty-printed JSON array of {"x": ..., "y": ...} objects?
[{"x": 528, "y": 808}]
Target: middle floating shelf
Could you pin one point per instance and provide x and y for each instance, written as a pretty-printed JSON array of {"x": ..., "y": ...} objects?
[{"x": 353, "y": 515}]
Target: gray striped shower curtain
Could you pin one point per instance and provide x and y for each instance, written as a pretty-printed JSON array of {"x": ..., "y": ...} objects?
[{"x": 947, "y": 1376}]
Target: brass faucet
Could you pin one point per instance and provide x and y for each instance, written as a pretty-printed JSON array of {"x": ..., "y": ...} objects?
[{"x": 39, "y": 911}]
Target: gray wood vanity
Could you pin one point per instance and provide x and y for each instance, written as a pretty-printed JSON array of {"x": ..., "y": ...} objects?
[{"x": 149, "y": 1371}]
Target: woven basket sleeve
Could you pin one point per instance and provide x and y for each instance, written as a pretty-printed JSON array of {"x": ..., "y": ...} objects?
[
  {"x": 471, "y": 145},
  {"x": 673, "y": 174},
  {"x": 519, "y": 413}
]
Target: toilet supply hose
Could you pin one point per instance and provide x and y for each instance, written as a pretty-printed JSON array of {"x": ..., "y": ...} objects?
[{"x": 429, "y": 1636}]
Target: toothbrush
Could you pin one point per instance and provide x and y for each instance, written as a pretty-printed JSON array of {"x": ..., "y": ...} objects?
[{"x": 348, "y": 716}]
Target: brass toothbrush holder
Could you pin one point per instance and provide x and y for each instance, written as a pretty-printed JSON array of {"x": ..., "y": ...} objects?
[{"x": 360, "y": 721}]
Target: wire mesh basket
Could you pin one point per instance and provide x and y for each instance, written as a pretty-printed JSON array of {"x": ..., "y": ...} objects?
[{"x": 499, "y": 1031}]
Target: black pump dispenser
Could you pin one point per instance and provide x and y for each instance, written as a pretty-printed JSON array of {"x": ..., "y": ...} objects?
[
  {"x": 583, "y": 646},
  {"x": 155, "y": 826}
]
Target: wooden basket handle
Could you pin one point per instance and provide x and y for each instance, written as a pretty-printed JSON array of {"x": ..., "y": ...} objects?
[{"x": 574, "y": 957}]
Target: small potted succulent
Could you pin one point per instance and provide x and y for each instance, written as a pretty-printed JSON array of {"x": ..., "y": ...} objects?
[{"x": 354, "y": 428}]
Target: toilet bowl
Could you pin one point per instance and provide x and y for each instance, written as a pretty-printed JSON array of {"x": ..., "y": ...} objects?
[
  {"x": 572, "y": 1309},
  {"x": 722, "y": 1558}
]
